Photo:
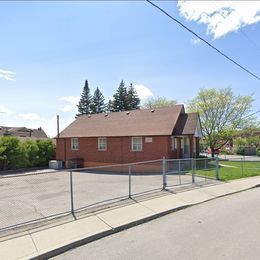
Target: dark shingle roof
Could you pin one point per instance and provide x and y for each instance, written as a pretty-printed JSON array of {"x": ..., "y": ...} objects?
[
  {"x": 187, "y": 124},
  {"x": 142, "y": 122},
  {"x": 22, "y": 132}
]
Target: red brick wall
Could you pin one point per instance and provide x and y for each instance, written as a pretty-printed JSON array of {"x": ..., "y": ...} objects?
[{"x": 118, "y": 150}]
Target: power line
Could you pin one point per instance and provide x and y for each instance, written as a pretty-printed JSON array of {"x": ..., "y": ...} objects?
[{"x": 210, "y": 45}]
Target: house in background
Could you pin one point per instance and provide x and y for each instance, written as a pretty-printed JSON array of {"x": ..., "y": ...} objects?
[
  {"x": 130, "y": 136},
  {"x": 23, "y": 132}
]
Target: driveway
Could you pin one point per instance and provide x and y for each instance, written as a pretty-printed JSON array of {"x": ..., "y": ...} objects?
[{"x": 27, "y": 197}]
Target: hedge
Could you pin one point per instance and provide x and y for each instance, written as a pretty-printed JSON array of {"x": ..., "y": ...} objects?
[{"x": 15, "y": 154}]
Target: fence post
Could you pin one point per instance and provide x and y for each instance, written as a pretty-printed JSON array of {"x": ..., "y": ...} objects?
[
  {"x": 217, "y": 167},
  {"x": 242, "y": 166},
  {"x": 129, "y": 182},
  {"x": 179, "y": 171},
  {"x": 193, "y": 170},
  {"x": 71, "y": 194},
  {"x": 164, "y": 173}
]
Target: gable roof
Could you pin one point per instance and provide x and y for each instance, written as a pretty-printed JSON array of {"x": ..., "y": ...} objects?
[
  {"x": 141, "y": 122},
  {"x": 187, "y": 124},
  {"x": 23, "y": 132}
]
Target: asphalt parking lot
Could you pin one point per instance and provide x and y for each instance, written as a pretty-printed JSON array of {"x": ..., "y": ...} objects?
[{"x": 27, "y": 197}]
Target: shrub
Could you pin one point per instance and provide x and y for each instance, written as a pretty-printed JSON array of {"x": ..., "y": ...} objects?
[
  {"x": 46, "y": 152},
  {"x": 31, "y": 150},
  {"x": 258, "y": 151},
  {"x": 240, "y": 150},
  {"x": 15, "y": 154},
  {"x": 12, "y": 153}
]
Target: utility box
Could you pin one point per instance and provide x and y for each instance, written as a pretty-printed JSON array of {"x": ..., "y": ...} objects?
[{"x": 56, "y": 165}]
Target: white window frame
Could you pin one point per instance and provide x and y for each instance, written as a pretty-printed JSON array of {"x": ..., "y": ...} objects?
[
  {"x": 74, "y": 144},
  {"x": 102, "y": 143},
  {"x": 137, "y": 143}
]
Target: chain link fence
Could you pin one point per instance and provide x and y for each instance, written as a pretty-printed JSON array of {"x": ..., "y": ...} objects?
[
  {"x": 189, "y": 171},
  {"x": 35, "y": 197},
  {"x": 26, "y": 198},
  {"x": 239, "y": 167}
]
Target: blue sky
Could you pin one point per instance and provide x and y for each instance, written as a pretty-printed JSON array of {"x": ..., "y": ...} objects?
[{"x": 48, "y": 49}]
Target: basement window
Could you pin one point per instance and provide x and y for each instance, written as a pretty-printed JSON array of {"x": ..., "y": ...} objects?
[
  {"x": 102, "y": 143},
  {"x": 137, "y": 143},
  {"x": 74, "y": 144}
]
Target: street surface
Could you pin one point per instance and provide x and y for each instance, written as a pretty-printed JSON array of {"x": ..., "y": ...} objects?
[{"x": 225, "y": 228}]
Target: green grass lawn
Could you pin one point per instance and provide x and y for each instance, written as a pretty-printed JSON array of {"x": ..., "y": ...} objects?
[{"x": 232, "y": 170}]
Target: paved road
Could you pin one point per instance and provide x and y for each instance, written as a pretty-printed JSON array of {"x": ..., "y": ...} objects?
[
  {"x": 239, "y": 157},
  {"x": 225, "y": 228}
]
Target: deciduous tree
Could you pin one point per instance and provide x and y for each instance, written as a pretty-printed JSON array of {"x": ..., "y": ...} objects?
[
  {"x": 221, "y": 114},
  {"x": 159, "y": 102}
]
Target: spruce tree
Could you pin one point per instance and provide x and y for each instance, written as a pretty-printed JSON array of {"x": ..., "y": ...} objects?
[
  {"x": 85, "y": 101},
  {"x": 98, "y": 102},
  {"x": 109, "y": 107},
  {"x": 132, "y": 99},
  {"x": 120, "y": 102}
]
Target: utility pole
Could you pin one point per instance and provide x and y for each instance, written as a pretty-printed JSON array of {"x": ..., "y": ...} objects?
[{"x": 58, "y": 126}]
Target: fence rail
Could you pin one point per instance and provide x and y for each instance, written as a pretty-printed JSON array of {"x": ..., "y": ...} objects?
[{"x": 38, "y": 196}]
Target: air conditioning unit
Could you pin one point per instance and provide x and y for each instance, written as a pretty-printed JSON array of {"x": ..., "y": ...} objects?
[{"x": 56, "y": 165}]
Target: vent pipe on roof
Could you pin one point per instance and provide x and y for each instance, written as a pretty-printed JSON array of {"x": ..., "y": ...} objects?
[
  {"x": 106, "y": 114},
  {"x": 152, "y": 110},
  {"x": 89, "y": 115},
  {"x": 127, "y": 112}
]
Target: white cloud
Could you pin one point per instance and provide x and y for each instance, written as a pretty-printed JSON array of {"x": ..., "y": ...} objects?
[
  {"x": 143, "y": 91},
  {"x": 8, "y": 75},
  {"x": 71, "y": 99},
  {"x": 4, "y": 110},
  {"x": 30, "y": 116},
  {"x": 195, "y": 41},
  {"x": 221, "y": 17},
  {"x": 68, "y": 108}
]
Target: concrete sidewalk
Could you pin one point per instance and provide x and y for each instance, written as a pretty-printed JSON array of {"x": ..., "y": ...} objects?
[{"x": 44, "y": 243}]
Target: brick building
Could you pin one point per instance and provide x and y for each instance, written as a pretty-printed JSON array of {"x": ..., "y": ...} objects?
[{"x": 130, "y": 136}]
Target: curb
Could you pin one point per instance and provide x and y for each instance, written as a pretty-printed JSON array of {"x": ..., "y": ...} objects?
[
  {"x": 95, "y": 237},
  {"x": 129, "y": 225}
]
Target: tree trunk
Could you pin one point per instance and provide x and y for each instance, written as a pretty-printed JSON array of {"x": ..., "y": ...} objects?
[{"x": 212, "y": 152}]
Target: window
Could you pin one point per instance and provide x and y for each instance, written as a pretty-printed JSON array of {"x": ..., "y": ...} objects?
[
  {"x": 102, "y": 143},
  {"x": 74, "y": 144},
  {"x": 174, "y": 143},
  {"x": 137, "y": 144}
]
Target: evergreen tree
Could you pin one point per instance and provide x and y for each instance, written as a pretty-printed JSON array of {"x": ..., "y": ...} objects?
[
  {"x": 120, "y": 102},
  {"x": 98, "y": 102},
  {"x": 132, "y": 99},
  {"x": 109, "y": 107},
  {"x": 85, "y": 101}
]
